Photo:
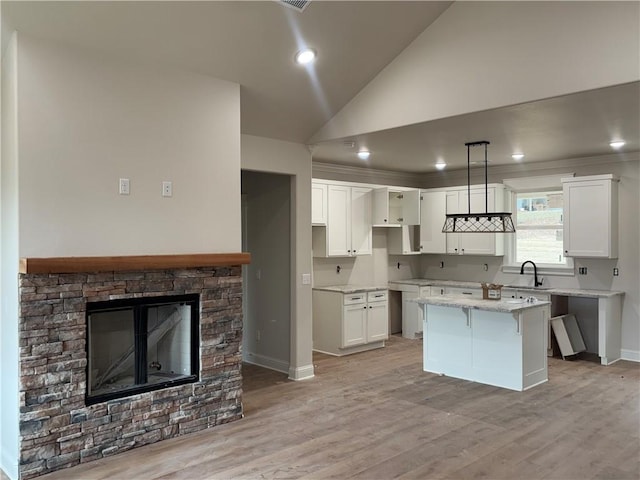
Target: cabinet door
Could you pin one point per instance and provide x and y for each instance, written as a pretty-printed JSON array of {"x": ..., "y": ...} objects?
[
  {"x": 318, "y": 204},
  {"x": 377, "y": 322},
  {"x": 451, "y": 201},
  {"x": 590, "y": 229},
  {"x": 354, "y": 325},
  {"x": 361, "y": 221},
  {"x": 410, "y": 202},
  {"x": 433, "y": 207},
  {"x": 339, "y": 221},
  {"x": 444, "y": 356},
  {"x": 477, "y": 243},
  {"x": 411, "y": 315}
]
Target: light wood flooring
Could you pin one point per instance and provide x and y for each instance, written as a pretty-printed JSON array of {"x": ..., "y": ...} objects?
[{"x": 377, "y": 415}]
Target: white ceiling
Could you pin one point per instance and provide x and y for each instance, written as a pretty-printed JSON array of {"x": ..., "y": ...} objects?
[{"x": 253, "y": 44}]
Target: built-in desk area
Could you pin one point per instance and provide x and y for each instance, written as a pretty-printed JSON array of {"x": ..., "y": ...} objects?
[{"x": 599, "y": 311}]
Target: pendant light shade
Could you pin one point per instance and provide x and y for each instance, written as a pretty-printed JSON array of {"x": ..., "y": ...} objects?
[{"x": 487, "y": 222}]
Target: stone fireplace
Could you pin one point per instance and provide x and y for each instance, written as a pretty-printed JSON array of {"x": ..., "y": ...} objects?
[{"x": 58, "y": 427}]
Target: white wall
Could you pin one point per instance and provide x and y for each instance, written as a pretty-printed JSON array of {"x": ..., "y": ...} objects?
[
  {"x": 267, "y": 155},
  {"x": 86, "y": 121},
  {"x": 9, "y": 375},
  {"x": 458, "y": 64},
  {"x": 266, "y": 327}
]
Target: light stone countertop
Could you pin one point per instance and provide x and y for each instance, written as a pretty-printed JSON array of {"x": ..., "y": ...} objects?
[
  {"x": 503, "y": 306},
  {"x": 351, "y": 288},
  {"x": 569, "y": 292}
]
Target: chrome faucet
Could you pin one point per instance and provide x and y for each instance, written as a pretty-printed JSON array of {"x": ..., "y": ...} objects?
[{"x": 536, "y": 283}]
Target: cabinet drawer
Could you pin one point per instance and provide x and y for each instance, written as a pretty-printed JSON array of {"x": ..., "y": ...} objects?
[
  {"x": 351, "y": 298},
  {"x": 377, "y": 296},
  {"x": 464, "y": 292}
]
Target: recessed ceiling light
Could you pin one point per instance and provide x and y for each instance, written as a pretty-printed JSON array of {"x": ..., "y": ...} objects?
[
  {"x": 363, "y": 154},
  {"x": 305, "y": 56},
  {"x": 517, "y": 156},
  {"x": 440, "y": 165},
  {"x": 617, "y": 144}
]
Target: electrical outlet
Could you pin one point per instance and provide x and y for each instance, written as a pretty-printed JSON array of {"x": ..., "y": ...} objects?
[
  {"x": 616, "y": 272},
  {"x": 485, "y": 267},
  {"x": 582, "y": 270},
  {"x": 167, "y": 189},
  {"x": 441, "y": 264},
  {"x": 124, "y": 186},
  {"x": 306, "y": 279}
]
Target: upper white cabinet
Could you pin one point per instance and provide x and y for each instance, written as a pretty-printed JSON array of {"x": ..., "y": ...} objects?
[
  {"x": 404, "y": 240},
  {"x": 433, "y": 207},
  {"x": 348, "y": 226},
  {"x": 318, "y": 204},
  {"x": 396, "y": 207},
  {"x": 590, "y": 216}
]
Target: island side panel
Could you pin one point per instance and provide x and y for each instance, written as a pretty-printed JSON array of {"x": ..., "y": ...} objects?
[
  {"x": 535, "y": 337},
  {"x": 497, "y": 349},
  {"x": 447, "y": 341}
]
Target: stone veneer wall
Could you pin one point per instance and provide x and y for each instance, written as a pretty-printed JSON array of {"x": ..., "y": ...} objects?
[{"x": 57, "y": 429}]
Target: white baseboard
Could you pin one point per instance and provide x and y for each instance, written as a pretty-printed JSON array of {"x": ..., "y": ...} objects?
[
  {"x": 301, "y": 373},
  {"x": 631, "y": 355},
  {"x": 266, "y": 362}
]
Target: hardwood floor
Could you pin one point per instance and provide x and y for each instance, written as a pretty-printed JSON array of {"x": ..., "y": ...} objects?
[{"x": 377, "y": 415}]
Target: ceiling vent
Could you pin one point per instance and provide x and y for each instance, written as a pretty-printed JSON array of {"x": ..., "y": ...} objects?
[{"x": 298, "y": 5}]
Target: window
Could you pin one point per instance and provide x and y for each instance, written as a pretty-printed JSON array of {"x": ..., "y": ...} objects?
[
  {"x": 538, "y": 221},
  {"x": 139, "y": 345}
]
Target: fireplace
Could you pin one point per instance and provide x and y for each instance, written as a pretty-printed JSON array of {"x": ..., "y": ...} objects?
[
  {"x": 140, "y": 345},
  {"x": 81, "y": 401}
]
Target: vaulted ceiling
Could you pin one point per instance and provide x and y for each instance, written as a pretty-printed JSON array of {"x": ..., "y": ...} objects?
[{"x": 253, "y": 43}]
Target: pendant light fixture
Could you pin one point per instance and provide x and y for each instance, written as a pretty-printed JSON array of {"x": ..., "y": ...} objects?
[{"x": 487, "y": 222}]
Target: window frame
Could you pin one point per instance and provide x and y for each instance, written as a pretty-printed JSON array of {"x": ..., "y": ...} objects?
[{"x": 510, "y": 265}]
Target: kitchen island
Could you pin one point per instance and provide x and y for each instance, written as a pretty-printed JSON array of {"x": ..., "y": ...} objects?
[{"x": 501, "y": 343}]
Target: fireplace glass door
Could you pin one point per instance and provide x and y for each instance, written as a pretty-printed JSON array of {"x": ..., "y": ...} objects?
[{"x": 139, "y": 345}]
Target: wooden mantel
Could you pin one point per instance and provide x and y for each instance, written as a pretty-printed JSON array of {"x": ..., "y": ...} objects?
[{"x": 131, "y": 263}]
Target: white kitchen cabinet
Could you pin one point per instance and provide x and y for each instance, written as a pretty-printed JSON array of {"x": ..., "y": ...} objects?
[
  {"x": 345, "y": 323},
  {"x": 348, "y": 230},
  {"x": 433, "y": 208},
  {"x": 505, "y": 349},
  {"x": 404, "y": 240},
  {"x": 318, "y": 204},
  {"x": 396, "y": 207},
  {"x": 411, "y": 313},
  {"x": 590, "y": 216},
  {"x": 457, "y": 201}
]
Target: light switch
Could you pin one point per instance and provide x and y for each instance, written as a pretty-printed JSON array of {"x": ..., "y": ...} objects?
[
  {"x": 124, "y": 186},
  {"x": 306, "y": 279}
]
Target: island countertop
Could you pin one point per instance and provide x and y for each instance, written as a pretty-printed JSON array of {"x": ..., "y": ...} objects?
[
  {"x": 569, "y": 292},
  {"x": 504, "y": 306},
  {"x": 348, "y": 289}
]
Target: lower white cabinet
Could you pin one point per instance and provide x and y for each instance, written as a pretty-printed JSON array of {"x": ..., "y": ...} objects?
[{"x": 345, "y": 323}]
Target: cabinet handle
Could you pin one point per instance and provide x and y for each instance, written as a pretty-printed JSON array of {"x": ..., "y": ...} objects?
[
  {"x": 354, "y": 251},
  {"x": 463, "y": 251},
  {"x": 365, "y": 307},
  {"x": 370, "y": 306},
  {"x": 385, "y": 219},
  {"x": 378, "y": 296},
  {"x": 467, "y": 293},
  {"x": 400, "y": 219}
]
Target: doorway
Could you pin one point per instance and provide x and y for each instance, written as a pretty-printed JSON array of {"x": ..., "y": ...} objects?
[{"x": 266, "y": 234}]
